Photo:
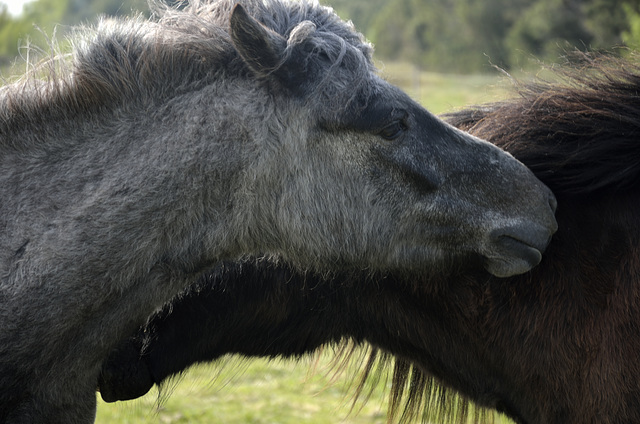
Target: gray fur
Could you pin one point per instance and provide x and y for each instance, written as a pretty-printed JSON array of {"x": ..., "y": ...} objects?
[{"x": 169, "y": 145}]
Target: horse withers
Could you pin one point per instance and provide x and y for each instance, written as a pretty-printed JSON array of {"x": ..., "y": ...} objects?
[{"x": 212, "y": 132}]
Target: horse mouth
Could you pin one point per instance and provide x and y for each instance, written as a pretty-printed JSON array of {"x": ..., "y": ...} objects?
[
  {"x": 516, "y": 252},
  {"x": 528, "y": 253}
]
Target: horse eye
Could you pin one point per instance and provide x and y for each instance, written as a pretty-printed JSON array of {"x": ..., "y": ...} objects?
[{"x": 393, "y": 130}]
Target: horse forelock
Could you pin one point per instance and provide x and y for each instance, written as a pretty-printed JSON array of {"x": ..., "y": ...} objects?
[
  {"x": 329, "y": 48},
  {"x": 336, "y": 59},
  {"x": 579, "y": 133},
  {"x": 122, "y": 61}
]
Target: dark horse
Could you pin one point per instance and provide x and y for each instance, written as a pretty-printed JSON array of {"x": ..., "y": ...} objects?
[
  {"x": 167, "y": 146},
  {"x": 560, "y": 344}
]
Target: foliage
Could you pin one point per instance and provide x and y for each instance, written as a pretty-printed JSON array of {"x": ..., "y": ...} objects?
[
  {"x": 546, "y": 26},
  {"x": 461, "y": 35},
  {"x": 464, "y": 36},
  {"x": 632, "y": 36},
  {"x": 468, "y": 36},
  {"x": 41, "y": 19}
]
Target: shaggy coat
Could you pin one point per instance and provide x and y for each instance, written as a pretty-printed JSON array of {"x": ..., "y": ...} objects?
[
  {"x": 558, "y": 345},
  {"x": 210, "y": 133}
]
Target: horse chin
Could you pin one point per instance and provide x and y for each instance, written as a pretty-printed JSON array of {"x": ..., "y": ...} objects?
[
  {"x": 518, "y": 259},
  {"x": 516, "y": 248}
]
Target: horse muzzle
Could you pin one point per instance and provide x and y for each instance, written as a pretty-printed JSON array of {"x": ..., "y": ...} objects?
[{"x": 517, "y": 247}]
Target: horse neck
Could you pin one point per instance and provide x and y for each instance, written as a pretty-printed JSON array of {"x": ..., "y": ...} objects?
[
  {"x": 459, "y": 329},
  {"x": 250, "y": 309},
  {"x": 598, "y": 234},
  {"x": 129, "y": 167},
  {"x": 565, "y": 314}
]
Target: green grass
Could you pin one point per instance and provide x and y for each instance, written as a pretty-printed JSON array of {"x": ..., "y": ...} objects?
[
  {"x": 287, "y": 392},
  {"x": 257, "y": 391},
  {"x": 441, "y": 93}
]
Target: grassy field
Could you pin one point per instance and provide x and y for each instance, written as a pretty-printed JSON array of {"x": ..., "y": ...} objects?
[
  {"x": 237, "y": 391},
  {"x": 256, "y": 391},
  {"x": 288, "y": 392},
  {"x": 441, "y": 93}
]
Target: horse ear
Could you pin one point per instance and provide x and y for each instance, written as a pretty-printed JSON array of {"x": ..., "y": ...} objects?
[{"x": 261, "y": 48}]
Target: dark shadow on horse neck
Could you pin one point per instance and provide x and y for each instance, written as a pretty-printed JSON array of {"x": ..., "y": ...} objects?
[
  {"x": 495, "y": 341},
  {"x": 530, "y": 346}
]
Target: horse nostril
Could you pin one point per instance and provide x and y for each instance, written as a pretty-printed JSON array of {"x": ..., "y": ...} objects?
[
  {"x": 553, "y": 224},
  {"x": 553, "y": 202}
]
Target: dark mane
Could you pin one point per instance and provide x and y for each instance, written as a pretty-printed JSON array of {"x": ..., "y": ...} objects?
[
  {"x": 132, "y": 61},
  {"x": 579, "y": 132},
  {"x": 414, "y": 396}
]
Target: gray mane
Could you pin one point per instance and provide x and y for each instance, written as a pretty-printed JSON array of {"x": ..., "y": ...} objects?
[{"x": 126, "y": 62}]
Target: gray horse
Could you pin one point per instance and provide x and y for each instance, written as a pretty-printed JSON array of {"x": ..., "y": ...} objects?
[{"x": 207, "y": 134}]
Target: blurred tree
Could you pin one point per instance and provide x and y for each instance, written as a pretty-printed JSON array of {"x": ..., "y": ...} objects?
[
  {"x": 607, "y": 20},
  {"x": 468, "y": 35},
  {"x": 442, "y": 35},
  {"x": 631, "y": 36},
  {"x": 45, "y": 14},
  {"x": 547, "y": 28},
  {"x": 41, "y": 18},
  {"x": 487, "y": 25},
  {"x": 12, "y": 31},
  {"x": 389, "y": 29},
  {"x": 360, "y": 12},
  {"x": 425, "y": 33},
  {"x": 464, "y": 35}
]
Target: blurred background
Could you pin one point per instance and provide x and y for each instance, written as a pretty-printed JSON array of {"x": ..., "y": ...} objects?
[
  {"x": 461, "y": 36},
  {"x": 443, "y": 53}
]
